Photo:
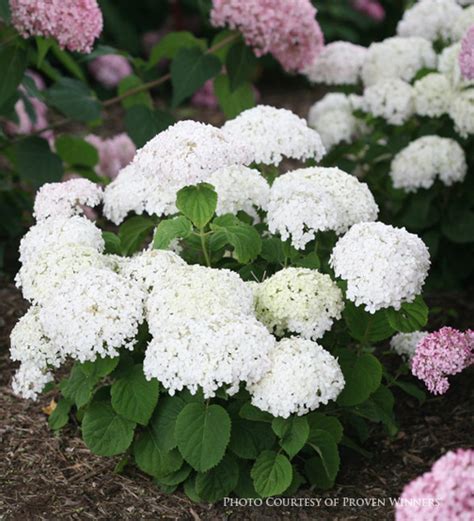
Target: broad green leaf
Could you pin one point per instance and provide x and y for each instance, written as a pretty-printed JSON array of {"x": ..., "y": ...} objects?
[
  {"x": 60, "y": 416},
  {"x": 240, "y": 64},
  {"x": 76, "y": 151},
  {"x": 133, "y": 232},
  {"x": 140, "y": 98},
  {"x": 169, "y": 229},
  {"x": 36, "y": 163},
  {"x": 163, "y": 421},
  {"x": 176, "y": 477},
  {"x": 197, "y": 203},
  {"x": 151, "y": 458},
  {"x": 310, "y": 261},
  {"x": 410, "y": 317},
  {"x": 318, "y": 421},
  {"x": 112, "y": 243},
  {"x": 293, "y": 433},
  {"x": 234, "y": 102},
  {"x": 245, "y": 487},
  {"x": 316, "y": 473},
  {"x": 5, "y": 13},
  {"x": 190, "y": 69},
  {"x": 458, "y": 224},
  {"x": 133, "y": 396},
  {"x": 13, "y": 61},
  {"x": 367, "y": 327},
  {"x": 252, "y": 413},
  {"x": 411, "y": 389},
  {"x": 66, "y": 59},
  {"x": 100, "y": 367},
  {"x": 273, "y": 250},
  {"x": 169, "y": 45},
  {"x": 362, "y": 374},
  {"x": 219, "y": 481},
  {"x": 43, "y": 45},
  {"x": 104, "y": 431},
  {"x": 271, "y": 473},
  {"x": 190, "y": 489},
  {"x": 74, "y": 99},
  {"x": 379, "y": 408},
  {"x": 79, "y": 386},
  {"x": 249, "y": 438},
  {"x": 202, "y": 433},
  {"x": 323, "y": 443},
  {"x": 244, "y": 238},
  {"x": 143, "y": 124}
]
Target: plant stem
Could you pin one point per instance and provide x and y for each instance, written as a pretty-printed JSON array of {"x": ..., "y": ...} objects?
[{"x": 202, "y": 236}]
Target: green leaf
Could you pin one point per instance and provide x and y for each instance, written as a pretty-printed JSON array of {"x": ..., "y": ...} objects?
[
  {"x": 252, "y": 413},
  {"x": 150, "y": 458},
  {"x": 273, "y": 250},
  {"x": 75, "y": 100},
  {"x": 363, "y": 375},
  {"x": 458, "y": 224},
  {"x": 68, "y": 62},
  {"x": 169, "y": 45},
  {"x": 310, "y": 261},
  {"x": 272, "y": 473},
  {"x": 140, "y": 98},
  {"x": 240, "y": 64},
  {"x": 13, "y": 61},
  {"x": 411, "y": 317},
  {"x": 134, "y": 397},
  {"x": 234, "y": 102},
  {"x": 143, "y": 124},
  {"x": 76, "y": 151},
  {"x": 5, "y": 13},
  {"x": 316, "y": 473},
  {"x": 133, "y": 232},
  {"x": 79, "y": 386},
  {"x": 367, "y": 327},
  {"x": 293, "y": 433},
  {"x": 36, "y": 163},
  {"x": 104, "y": 431},
  {"x": 191, "y": 68},
  {"x": 43, "y": 45},
  {"x": 249, "y": 438},
  {"x": 100, "y": 367},
  {"x": 323, "y": 443},
  {"x": 176, "y": 477},
  {"x": 244, "y": 238},
  {"x": 202, "y": 433},
  {"x": 379, "y": 408},
  {"x": 163, "y": 422},
  {"x": 412, "y": 390},
  {"x": 60, "y": 416},
  {"x": 169, "y": 229},
  {"x": 198, "y": 203},
  {"x": 218, "y": 482},
  {"x": 112, "y": 243},
  {"x": 318, "y": 421}
]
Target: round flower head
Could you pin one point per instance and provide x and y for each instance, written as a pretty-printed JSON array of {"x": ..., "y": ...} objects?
[
  {"x": 29, "y": 381},
  {"x": 309, "y": 200},
  {"x": 430, "y": 19},
  {"x": 49, "y": 270},
  {"x": 289, "y": 32},
  {"x": 115, "y": 153},
  {"x": 463, "y": 22},
  {"x": 466, "y": 56},
  {"x": 397, "y": 58},
  {"x": 94, "y": 313},
  {"x": 405, "y": 344},
  {"x": 340, "y": 63},
  {"x": 66, "y": 199},
  {"x": 462, "y": 112},
  {"x": 208, "y": 352},
  {"x": 432, "y": 95},
  {"x": 59, "y": 231},
  {"x": 302, "y": 377},
  {"x": 272, "y": 134},
  {"x": 440, "y": 354},
  {"x": 240, "y": 189},
  {"x": 383, "y": 266},
  {"x": 299, "y": 300},
  {"x": 425, "y": 159},
  {"x": 75, "y": 24},
  {"x": 110, "y": 69},
  {"x": 449, "y": 65},
  {"x": 444, "y": 493},
  {"x": 391, "y": 100}
]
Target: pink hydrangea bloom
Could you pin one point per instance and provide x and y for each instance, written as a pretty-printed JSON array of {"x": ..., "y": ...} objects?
[
  {"x": 445, "y": 493},
  {"x": 371, "y": 8},
  {"x": 110, "y": 69},
  {"x": 205, "y": 97},
  {"x": 440, "y": 354},
  {"x": 288, "y": 30},
  {"x": 114, "y": 153},
  {"x": 75, "y": 24},
  {"x": 466, "y": 55}
]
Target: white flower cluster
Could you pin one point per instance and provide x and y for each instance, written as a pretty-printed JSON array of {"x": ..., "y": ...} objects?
[
  {"x": 391, "y": 100},
  {"x": 333, "y": 118},
  {"x": 426, "y": 158},
  {"x": 299, "y": 300},
  {"x": 339, "y": 63},
  {"x": 461, "y": 112},
  {"x": 66, "y": 199},
  {"x": 309, "y": 200},
  {"x": 302, "y": 377},
  {"x": 405, "y": 344},
  {"x": 430, "y": 19},
  {"x": 397, "y": 58},
  {"x": 432, "y": 95},
  {"x": 383, "y": 266},
  {"x": 462, "y": 23},
  {"x": 273, "y": 134}
]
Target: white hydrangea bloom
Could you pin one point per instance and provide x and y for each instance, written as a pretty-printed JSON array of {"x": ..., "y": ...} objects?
[
  {"x": 430, "y": 19},
  {"x": 397, "y": 58},
  {"x": 425, "y": 159},
  {"x": 405, "y": 344},
  {"x": 29, "y": 381},
  {"x": 432, "y": 95},
  {"x": 306, "y": 201},
  {"x": 58, "y": 231},
  {"x": 383, "y": 266},
  {"x": 462, "y": 112},
  {"x": 299, "y": 300},
  {"x": 239, "y": 188},
  {"x": 208, "y": 352},
  {"x": 49, "y": 270},
  {"x": 448, "y": 65},
  {"x": 332, "y": 117},
  {"x": 273, "y": 134},
  {"x": 339, "y": 63},
  {"x": 462, "y": 23},
  {"x": 391, "y": 100},
  {"x": 66, "y": 199},
  {"x": 94, "y": 313},
  {"x": 302, "y": 377}
]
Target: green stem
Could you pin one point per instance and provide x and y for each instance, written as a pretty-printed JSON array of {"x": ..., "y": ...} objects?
[{"x": 202, "y": 236}]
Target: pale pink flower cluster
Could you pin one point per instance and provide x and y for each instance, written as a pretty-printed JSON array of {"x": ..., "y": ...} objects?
[
  {"x": 115, "y": 153},
  {"x": 444, "y": 493},
  {"x": 371, "y": 8},
  {"x": 466, "y": 55},
  {"x": 440, "y": 354},
  {"x": 205, "y": 97},
  {"x": 288, "y": 30},
  {"x": 75, "y": 24},
  {"x": 110, "y": 69}
]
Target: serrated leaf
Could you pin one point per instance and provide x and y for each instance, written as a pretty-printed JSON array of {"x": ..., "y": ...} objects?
[
  {"x": 379, "y": 408},
  {"x": 74, "y": 99},
  {"x": 219, "y": 481},
  {"x": 133, "y": 232},
  {"x": 273, "y": 250},
  {"x": 101, "y": 367},
  {"x": 367, "y": 327},
  {"x": 323, "y": 443},
  {"x": 163, "y": 421},
  {"x": 362, "y": 374},
  {"x": 271, "y": 473},
  {"x": 60, "y": 416},
  {"x": 249, "y": 438},
  {"x": 293, "y": 433},
  {"x": 78, "y": 387},
  {"x": 76, "y": 151},
  {"x": 197, "y": 203},
  {"x": 316, "y": 473},
  {"x": 169, "y": 229},
  {"x": 112, "y": 243},
  {"x": 411, "y": 317},
  {"x": 143, "y": 124},
  {"x": 244, "y": 238},
  {"x": 252, "y": 413},
  {"x": 153, "y": 460},
  {"x": 176, "y": 477},
  {"x": 330, "y": 424}
]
